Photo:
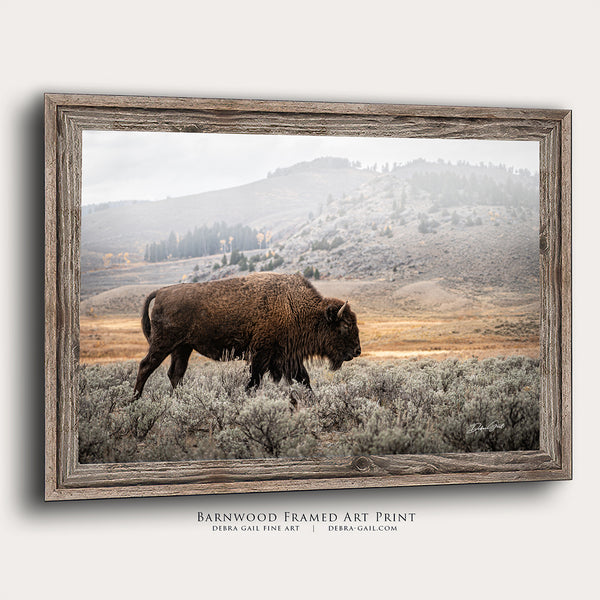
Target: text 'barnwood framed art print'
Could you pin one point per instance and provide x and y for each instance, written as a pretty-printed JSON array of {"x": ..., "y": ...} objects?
[{"x": 249, "y": 296}]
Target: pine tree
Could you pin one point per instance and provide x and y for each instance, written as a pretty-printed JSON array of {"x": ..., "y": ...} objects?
[{"x": 172, "y": 244}]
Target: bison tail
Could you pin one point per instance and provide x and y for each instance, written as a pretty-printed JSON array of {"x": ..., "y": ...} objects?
[{"x": 146, "y": 327}]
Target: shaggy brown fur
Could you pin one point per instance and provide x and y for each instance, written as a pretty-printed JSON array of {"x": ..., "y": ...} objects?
[{"x": 273, "y": 321}]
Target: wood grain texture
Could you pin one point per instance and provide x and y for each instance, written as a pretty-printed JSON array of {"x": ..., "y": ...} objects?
[
  {"x": 312, "y": 123},
  {"x": 223, "y": 105},
  {"x": 340, "y": 483},
  {"x": 566, "y": 294},
  {"x": 205, "y": 473},
  {"x": 550, "y": 261},
  {"x": 67, "y": 296},
  {"x": 68, "y": 115},
  {"x": 50, "y": 275}
]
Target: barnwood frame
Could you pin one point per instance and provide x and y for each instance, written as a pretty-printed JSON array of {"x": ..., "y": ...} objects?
[{"x": 67, "y": 115}]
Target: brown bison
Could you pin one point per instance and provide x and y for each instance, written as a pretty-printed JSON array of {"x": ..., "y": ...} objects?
[{"x": 273, "y": 321}]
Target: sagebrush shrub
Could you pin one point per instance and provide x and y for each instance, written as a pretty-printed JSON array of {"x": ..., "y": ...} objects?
[
  {"x": 274, "y": 430},
  {"x": 367, "y": 407}
]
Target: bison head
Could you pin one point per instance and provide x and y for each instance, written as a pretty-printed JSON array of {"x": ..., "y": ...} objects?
[{"x": 342, "y": 341}]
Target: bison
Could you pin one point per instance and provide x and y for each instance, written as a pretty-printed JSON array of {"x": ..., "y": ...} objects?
[{"x": 273, "y": 321}]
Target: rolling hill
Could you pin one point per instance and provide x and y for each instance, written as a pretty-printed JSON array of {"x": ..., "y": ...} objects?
[
  {"x": 277, "y": 203},
  {"x": 465, "y": 227}
]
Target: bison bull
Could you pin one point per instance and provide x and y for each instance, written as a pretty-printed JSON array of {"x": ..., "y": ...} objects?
[{"x": 273, "y": 321}]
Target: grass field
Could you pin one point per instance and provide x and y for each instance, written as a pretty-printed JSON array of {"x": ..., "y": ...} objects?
[
  {"x": 424, "y": 319},
  {"x": 368, "y": 407},
  {"x": 116, "y": 338}
]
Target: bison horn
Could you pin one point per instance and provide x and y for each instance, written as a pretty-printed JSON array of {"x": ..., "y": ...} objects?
[{"x": 341, "y": 311}]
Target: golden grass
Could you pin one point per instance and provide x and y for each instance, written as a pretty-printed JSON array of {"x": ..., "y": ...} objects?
[
  {"x": 105, "y": 339},
  {"x": 108, "y": 339}
]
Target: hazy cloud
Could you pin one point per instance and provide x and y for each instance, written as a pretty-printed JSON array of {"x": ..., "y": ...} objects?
[{"x": 154, "y": 165}]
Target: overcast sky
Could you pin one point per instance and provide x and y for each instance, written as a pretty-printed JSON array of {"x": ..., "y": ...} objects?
[{"x": 128, "y": 165}]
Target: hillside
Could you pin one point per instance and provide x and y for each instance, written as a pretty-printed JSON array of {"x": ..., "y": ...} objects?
[
  {"x": 278, "y": 203},
  {"x": 475, "y": 227},
  {"x": 472, "y": 227},
  {"x": 465, "y": 228}
]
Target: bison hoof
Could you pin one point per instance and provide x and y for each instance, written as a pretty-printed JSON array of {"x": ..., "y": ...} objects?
[
  {"x": 293, "y": 402},
  {"x": 301, "y": 396}
]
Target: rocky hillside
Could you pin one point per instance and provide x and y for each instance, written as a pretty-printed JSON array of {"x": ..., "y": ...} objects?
[{"x": 475, "y": 227}]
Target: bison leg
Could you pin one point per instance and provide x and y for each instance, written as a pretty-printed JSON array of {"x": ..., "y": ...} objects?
[
  {"x": 179, "y": 363},
  {"x": 259, "y": 365},
  {"x": 299, "y": 374},
  {"x": 276, "y": 371},
  {"x": 148, "y": 365}
]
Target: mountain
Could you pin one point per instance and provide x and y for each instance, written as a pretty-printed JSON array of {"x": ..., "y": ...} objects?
[
  {"x": 420, "y": 228},
  {"x": 474, "y": 227},
  {"x": 277, "y": 203},
  {"x": 465, "y": 224}
]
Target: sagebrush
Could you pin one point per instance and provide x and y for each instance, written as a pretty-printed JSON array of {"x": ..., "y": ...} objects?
[{"x": 406, "y": 406}]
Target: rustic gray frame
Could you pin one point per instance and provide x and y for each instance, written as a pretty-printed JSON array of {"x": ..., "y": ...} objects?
[{"x": 66, "y": 115}]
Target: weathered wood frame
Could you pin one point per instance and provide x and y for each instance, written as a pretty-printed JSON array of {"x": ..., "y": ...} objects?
[{"x": 66, "y": 116}]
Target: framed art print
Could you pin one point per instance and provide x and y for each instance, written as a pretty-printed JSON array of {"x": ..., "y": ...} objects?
[{"x": 248, "y": 295}]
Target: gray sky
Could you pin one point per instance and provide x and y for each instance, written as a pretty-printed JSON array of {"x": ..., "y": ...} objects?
[{"x": 131, "y": 165}]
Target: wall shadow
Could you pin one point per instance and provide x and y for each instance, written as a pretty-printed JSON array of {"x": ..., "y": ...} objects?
[{"x": 29, "y": 365}]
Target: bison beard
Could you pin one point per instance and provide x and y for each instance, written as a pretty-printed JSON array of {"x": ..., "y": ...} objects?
[{"x": 273, "y": 321}]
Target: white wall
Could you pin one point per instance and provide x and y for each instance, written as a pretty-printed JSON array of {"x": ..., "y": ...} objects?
[{"x": 482, "y": 541}]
